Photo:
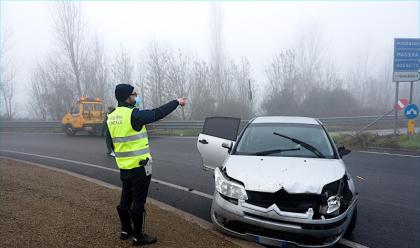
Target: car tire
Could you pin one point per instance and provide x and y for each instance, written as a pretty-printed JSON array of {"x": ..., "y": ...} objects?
[
  {"x": 69, "y": 130},
  {"x": 352, "y": 224}
]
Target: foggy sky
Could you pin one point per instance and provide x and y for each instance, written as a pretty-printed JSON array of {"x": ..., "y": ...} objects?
[{"x": 256, "y": 30}]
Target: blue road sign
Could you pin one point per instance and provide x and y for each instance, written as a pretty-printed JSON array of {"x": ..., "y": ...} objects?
[
  {"x": 406, "y": 60},
  {"x": 411, "y": 111}
]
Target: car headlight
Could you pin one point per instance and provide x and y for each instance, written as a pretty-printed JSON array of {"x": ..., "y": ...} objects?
[
  {"x": 331, "y": 198},
  {"x": 228, "y": 188},
  {"x": 333, "y": 205}
]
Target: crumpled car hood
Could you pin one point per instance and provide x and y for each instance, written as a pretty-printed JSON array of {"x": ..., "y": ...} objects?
[{"x": 294, "y": 175}]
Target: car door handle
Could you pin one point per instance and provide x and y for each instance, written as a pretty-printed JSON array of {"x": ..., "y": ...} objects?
[{"x": 203, "y": 141}]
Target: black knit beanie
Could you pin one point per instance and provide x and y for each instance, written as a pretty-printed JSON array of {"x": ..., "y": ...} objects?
[{"x": 123, "y": 91}]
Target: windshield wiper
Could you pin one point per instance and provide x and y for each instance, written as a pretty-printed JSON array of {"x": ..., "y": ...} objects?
[
  {"x": 305, "y": 145},
  {"x": 268, "y": 152}
]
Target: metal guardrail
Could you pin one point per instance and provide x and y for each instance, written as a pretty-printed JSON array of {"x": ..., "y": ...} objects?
[{"x": 351, "y": 123}]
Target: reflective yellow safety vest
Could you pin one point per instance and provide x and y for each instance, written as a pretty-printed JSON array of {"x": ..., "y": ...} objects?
[{"x": 130, "y": 146}]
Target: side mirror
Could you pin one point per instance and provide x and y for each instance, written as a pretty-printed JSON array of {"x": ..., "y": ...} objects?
[
  {"x": 227, "y": 146},
  {"x": 343, "y": 151}
]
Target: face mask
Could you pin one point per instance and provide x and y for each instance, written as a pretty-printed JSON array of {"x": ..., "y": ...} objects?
[{"x": 138, "y": 101}]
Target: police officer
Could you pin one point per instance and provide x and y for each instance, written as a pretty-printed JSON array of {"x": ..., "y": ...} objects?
[{"x": 126, "y": 125}]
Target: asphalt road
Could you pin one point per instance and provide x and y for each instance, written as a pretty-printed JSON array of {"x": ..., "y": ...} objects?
[{"x": 389, "y": 185}]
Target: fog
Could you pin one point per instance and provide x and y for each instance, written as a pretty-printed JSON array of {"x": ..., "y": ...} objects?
[{"x": 229, "y": 58}]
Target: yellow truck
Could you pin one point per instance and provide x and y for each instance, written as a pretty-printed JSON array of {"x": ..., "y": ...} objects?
[{"x": 86, "y": 114}]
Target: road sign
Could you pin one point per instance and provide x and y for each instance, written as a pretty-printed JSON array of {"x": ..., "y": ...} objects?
[
  {"x": 400, "y": 105},
  {"x": 411, "y": 111},
  {"x": 406, "y": 60}
]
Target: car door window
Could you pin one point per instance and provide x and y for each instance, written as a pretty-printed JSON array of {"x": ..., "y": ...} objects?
[{"x": 222, "y": 127}]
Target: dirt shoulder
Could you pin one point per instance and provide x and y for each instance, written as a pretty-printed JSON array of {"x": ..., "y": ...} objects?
[{"x": 44, "y": 208}]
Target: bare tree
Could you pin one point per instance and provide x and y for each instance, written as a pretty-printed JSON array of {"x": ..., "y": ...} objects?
[
  {"x": 283, "y": 77},
  {"x": 4, "y": 47},
  {"x": 51, "y": 89},
  {"x": 221, "y": 71},
  {"x": 359, "y": 76},
  {"x": 140, "y": 81},
  {"x": 216, "y": 28},
  {"x": 8, "y": 92},
  {"x": 70, "y": 34},
  {"x": 39, "y": 106},
  {"x": 122, "y": 67},
  {"x": 310, "y": 49},
  {"x": 7, "y": 76},
  {"x": 179, "y": 65},
  {"x": 283, "y": 73},
  {"x": 244, "y": 88},
  {"x": 201, "y": 97},
  {"x": 96, "y": 73},
  {"x": 155, "y": 78}
]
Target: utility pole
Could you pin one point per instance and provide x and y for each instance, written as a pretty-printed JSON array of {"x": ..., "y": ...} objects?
[
  {"x": 397, "y": 84},
  {"x": 411, "y": 92}
]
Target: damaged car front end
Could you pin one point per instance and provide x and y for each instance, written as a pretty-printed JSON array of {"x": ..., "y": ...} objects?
[
  {"x": 283, "y": 219},
  {"x": 292, "y": 191}
]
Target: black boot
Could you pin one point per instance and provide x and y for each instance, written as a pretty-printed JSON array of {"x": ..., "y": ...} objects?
[
  {"x": 125, "y": 218},
  {"x": 140, "y": 238}
]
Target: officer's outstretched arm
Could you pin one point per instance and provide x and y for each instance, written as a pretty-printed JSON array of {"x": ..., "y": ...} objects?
[{"x": 148, "y": 116}]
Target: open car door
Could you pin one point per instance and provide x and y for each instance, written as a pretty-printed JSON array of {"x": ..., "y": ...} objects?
[{"x": 216, "y": 140}]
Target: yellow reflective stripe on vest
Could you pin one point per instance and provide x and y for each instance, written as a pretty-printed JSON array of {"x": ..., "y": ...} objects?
[
  {"x": 129, "y": 138},
  {"x": 130, "y": 146},
  {"x": 132, "y": 153}
]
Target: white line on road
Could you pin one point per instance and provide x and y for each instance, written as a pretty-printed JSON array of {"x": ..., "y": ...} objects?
[
  {"x": 351, "y": 244},
  {"x": 193, "y": 191},
  {"x": 46, "y": 133},
  {"x": 345, "y": 242},
  {"x": 391, "y": 154}
]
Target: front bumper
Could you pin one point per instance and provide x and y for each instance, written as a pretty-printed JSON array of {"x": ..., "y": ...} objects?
[{"x": 271, "y": 226}]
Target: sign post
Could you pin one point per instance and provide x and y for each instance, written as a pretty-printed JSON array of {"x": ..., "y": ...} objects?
[{"x": 406, "y": 68}]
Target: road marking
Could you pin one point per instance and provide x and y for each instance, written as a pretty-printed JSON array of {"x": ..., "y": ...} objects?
[
  {"x": 361, "y": 178},
  {"x": 391, "y": 154},
  {"x": 351, "y": 244},
  {"x": 193, "y": 191},
  {"x": 46, "y": 133},
  {"x": 342, "y": 241}
]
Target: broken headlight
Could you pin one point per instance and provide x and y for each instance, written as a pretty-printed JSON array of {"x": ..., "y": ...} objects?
[
  {"x": 331, "y": 198},
  {"x": 227, "y": 187},
  {"x": 333, "y": 205}
]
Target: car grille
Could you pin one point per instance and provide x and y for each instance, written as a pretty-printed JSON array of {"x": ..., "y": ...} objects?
[{"x": 297, "y": 203}]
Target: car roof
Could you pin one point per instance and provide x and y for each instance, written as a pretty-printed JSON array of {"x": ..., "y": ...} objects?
[{"x": 285, "y": 119}]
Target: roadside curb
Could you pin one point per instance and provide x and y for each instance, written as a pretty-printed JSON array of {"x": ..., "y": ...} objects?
[{"x": 186, "y": 216}]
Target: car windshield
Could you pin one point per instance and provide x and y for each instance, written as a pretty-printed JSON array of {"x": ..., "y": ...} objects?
[{"x": 285, "y": 140}]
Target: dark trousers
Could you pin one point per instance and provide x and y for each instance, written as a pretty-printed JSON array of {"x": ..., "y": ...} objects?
[{"x": 135, "y": 185}]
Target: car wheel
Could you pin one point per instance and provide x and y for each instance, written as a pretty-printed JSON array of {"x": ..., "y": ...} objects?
[
  {"x": 69, "y": 130},
  {"x": 352, "y": 224}
]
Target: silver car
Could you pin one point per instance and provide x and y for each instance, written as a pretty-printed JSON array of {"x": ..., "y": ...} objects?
[{"x": 281, "y": 182}]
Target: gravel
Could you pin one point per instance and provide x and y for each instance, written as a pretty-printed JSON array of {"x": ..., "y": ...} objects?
[{"x": 44, "y": 208}]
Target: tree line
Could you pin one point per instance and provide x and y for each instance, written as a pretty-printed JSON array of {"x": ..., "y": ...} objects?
[{"x": 300, "y": 80}]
